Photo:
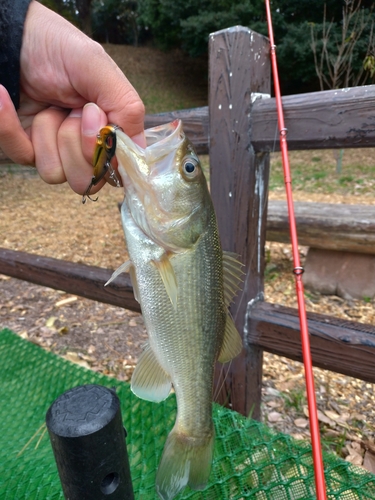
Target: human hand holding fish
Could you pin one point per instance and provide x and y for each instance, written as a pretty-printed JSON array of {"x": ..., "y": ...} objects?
[
  {"x": 184, "y": 283},
  {"x": 69, "y": 88}
]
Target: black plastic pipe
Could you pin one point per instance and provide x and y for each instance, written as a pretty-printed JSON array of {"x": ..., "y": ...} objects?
[{"x": 88, "y": 441}]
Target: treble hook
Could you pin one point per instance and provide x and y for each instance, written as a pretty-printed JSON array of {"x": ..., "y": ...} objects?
[{"x": 104, "y": 152}]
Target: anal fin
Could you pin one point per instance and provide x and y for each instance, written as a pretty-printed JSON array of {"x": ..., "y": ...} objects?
[{"x": 149, "y": 380}]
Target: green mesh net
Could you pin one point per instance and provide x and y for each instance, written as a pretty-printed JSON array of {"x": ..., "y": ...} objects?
[{"x": 250, "y": 460}]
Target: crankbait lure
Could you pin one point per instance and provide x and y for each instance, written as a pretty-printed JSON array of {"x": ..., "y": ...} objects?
[{"x": 103, "y": 154}]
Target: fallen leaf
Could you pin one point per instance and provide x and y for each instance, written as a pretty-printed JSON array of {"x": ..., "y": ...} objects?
[
  {"x": 273, "y": 404},
  {"x": 356, "y": 447},
  {"x": 332, "y": 414},
  {"x": 301, "y": 422},
  {"x": 369, "y": 461},
  {"x": 354, "y": 459},
  {"x": 274, "y": 416},
  {"x": 74, "y": 358},
  {"x": 63, "y": 330},
  {"x": 358, "y": 416},
  {"x": 298, "y": 435},
  {"x": 46, "y": 332},
  {"x": 51, "y": 321},
  {"x": 326, "y": 420},
  {"x": 271, "y": 391}
]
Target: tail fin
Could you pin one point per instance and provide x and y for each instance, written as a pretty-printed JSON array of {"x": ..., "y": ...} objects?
[{"x": 185, "y": 460}]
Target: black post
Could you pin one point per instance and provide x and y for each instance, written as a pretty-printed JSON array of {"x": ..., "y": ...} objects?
[{"x": 88, "y": 441}]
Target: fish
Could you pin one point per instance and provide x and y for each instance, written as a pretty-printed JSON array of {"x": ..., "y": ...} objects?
[{"x": 184, "y": 283}]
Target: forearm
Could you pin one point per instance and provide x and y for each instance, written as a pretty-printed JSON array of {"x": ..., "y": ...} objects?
[{"x": 12, "y": 18}]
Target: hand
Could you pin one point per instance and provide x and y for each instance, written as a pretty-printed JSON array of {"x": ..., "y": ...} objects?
[{"x": 63, "y": 73}]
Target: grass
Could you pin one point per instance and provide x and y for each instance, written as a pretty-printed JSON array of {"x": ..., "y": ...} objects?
[
  {"x": 164, "y": 81},
  {"x": 317, "y": 174}
]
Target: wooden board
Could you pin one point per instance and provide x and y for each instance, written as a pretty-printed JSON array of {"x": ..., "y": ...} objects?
[
  {"x": 342, "y": 118},
  {"x": 318, "y": 120},
  {"x": 78, "y": 279},
  {"x": 341, "y": 346},
  {"x": 239, "y": 187},
  {"x": 349, "y": 228}
]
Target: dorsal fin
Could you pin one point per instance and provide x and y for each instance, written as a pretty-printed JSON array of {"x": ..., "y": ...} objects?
[
  {"x": 232, "y": 343},
  {"x": 232, "y": 275}
]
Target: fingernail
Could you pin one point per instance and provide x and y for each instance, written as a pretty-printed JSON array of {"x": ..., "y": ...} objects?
[
  {"x": 140, "y": 139},
  {"x": 91, "y": 119},
  {"x": 75, "y": 113}
]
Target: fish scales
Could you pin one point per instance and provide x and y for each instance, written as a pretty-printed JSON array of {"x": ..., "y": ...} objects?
[{"x": 185, "y": 340}]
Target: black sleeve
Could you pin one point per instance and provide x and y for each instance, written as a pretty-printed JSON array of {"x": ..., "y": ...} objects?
[{"x": 12, "y": 18}]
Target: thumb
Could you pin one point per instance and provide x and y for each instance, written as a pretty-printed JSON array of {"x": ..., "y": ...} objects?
[{"x": 14, "y": 141}]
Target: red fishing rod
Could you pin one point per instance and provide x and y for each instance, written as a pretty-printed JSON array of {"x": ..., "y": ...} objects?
[{"x": 298, "y": 271}]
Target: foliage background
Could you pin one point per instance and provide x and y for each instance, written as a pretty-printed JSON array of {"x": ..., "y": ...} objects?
[{"x": 186, "y": 24}]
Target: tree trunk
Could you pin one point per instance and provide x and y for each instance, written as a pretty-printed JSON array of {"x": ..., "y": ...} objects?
[{"x": 84, "y": 15}]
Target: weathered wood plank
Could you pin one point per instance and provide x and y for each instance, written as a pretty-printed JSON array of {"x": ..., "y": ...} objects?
[
  {"x": 349, "y": 228},
  {"x": 78, "y": 279},
  {"x": 341, "y": 346},
  {"x": 318, "y": 120},
  {"x": 341, "y": 118},
  {"x": 239, "y": 66}
]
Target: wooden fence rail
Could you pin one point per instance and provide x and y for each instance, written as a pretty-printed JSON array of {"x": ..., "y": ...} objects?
[
  {"x": 239, "y": 130},
  {"x": 318, "y": 120}
]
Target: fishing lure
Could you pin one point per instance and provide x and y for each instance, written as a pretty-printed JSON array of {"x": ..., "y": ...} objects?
[{"x": 103, "y": 154}]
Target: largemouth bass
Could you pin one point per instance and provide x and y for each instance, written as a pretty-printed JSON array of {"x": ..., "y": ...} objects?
[{"x": 184, "y": 284}]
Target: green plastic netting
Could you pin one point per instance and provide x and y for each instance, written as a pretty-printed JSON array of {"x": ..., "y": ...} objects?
[{"x": 250, "y": 460}]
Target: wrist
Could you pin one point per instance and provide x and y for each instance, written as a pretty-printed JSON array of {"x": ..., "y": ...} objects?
[{"x": 12, "y": 19}]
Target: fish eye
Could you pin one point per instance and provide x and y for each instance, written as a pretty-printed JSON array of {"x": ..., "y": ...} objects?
[{"x": 190, "y": 167}]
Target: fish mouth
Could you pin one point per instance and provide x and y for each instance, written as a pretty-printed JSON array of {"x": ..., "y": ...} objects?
[
  {"x": 144, "y": 170},
  {"x": 161, "y": 141}
]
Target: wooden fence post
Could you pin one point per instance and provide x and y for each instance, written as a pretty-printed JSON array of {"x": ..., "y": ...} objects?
[{"x": 239, "y": 70}]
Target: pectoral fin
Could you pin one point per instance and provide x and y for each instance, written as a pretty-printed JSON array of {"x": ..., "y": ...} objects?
[
  {"x": 232, "y": 343},
  {"x": 133, "y": 279},
  {"x": 150, "y": 381},
  {"x": 124, "y": 268},
  {"x": 232, "y": 275},
  {"x": 168, "y": 276}
]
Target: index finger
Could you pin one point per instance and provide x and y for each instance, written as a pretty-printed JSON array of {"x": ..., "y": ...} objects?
[{"x": 104, "y": 83}]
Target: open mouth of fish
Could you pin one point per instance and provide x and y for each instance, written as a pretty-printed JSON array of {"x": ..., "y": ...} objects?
[{"x": 162, "y": 142}]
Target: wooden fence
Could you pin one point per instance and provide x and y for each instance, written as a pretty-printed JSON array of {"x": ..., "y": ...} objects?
[{"x": 239, "y": 129}]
